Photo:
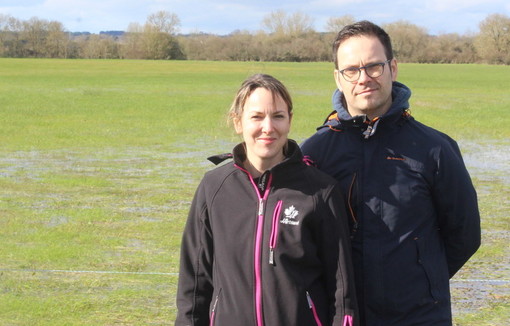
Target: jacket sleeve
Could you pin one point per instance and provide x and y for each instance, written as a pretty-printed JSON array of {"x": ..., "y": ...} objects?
[
  {"x": 336, "y": 250},
  {"x": 457, "y": 207},
  {"x": 195, "y": 287}
]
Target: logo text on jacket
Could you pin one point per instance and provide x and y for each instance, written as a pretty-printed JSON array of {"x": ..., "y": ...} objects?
[{"x": 290, "y": 216}]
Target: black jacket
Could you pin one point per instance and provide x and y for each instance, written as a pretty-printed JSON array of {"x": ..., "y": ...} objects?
[
  {"x": 275, "y": 256},
  {"x": 413, "y": 210}
]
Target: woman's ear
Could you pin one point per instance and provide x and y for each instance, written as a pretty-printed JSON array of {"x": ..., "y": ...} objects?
[{"x": 238, "y": 125}]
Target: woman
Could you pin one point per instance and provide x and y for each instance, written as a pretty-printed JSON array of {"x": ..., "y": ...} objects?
[{"x": 266, "y": 241}]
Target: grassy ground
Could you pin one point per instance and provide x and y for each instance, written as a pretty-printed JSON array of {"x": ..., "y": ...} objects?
[{"x": 99, "y": 161}]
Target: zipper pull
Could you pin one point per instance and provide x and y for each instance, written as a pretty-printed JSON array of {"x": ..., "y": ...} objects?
[
  {"x": 310, "y": 303},
  {"x": 261, "y": 206},
  {"x": 354, "y": 230},
  {"x": 371, "y": 128},
  {"x": 271, "y": 256},
  {"x": 215, "y": 303}
]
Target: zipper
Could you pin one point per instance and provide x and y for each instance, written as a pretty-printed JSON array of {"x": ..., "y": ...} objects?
[
  {"x": 257, "y": 252},
  {"x": 372, "y": 127},
  {"x": 258, "y": 249},
  {"x": 351, "y": 210},
  {"x": 213, "y": 311},
  {"x": 312, "y": 308},
  {"x": 348, "y": 321},
  {"x": 274, "y": 231}
]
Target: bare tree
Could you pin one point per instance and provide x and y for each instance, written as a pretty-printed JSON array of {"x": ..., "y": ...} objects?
[
  {"x": 5, "y": 34},
  {"x": 158, "y": 39},
  {"x": 154, "y": 40},
  {"x": 13, "y": 42},
  {"x": 131, "y": 47},
  {"x": 164, "y": 22},
  {"x": 409, "y": 41},
  {"x": 34, "y": 34},
  {"x": 451, "y": 48},
  {"x": 299, "y": 24},
  {"x": 57, "y": 40},
  {"x": 335, "y": 24},
  {"x": 274, "y": 22},
  {"x": 280, "y": 24},
  {"x": 493, "y": 42}
]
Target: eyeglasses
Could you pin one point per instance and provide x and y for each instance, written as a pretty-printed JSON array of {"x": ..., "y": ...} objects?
[{"x": 373, "y": 70}]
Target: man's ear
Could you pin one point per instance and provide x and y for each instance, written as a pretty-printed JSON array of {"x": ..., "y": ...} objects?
[
  {"x": 336, "y": 75},
  {"x": 394, "y": 69}
]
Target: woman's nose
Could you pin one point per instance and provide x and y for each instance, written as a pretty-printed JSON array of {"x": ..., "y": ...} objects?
[{"x": 267, "y": 125}]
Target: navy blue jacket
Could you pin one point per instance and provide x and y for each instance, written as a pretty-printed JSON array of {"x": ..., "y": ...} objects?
[{"x": 413, "y": 210}]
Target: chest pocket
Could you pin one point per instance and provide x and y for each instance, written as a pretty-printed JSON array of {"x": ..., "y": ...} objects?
[{"x": 404, "y": 190}]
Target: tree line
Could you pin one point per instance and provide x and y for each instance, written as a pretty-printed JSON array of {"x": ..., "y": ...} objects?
[{"x": 283, "y": 37}]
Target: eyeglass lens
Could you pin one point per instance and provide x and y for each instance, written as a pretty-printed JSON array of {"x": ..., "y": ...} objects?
[{"x": 373, "y": 70}]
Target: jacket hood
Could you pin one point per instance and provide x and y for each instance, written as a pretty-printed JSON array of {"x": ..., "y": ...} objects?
[{"x": 400, "y": 94}]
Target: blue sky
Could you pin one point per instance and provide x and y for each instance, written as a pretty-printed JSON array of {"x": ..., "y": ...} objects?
[{"x": 225, "y": 16}]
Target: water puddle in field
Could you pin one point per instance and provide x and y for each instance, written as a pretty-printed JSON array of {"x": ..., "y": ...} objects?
[
  {"x": 484, "y": 283},
  {"x": 478, "y": 286},
  {"x": 488, "y": 160}
]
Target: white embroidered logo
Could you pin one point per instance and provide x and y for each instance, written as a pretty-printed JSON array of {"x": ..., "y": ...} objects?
[{"x": 290, "y": 215}]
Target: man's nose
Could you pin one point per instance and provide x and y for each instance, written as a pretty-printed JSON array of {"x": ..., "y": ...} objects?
[{"x": 363, "y": 76}]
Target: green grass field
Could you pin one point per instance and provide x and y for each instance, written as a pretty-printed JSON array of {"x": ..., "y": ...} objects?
[{"x": 99, "y": 161}]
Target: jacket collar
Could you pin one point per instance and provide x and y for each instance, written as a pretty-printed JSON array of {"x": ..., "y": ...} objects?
[
  {"x": 340, "y": 117},
  {"x": 293, "y": 154}
]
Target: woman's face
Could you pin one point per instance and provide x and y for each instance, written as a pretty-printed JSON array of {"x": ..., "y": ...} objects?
[{"x": 264, "y": 125}]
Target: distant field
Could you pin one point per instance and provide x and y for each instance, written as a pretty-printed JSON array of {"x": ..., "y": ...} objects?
[{"x": 99, "y": 161}]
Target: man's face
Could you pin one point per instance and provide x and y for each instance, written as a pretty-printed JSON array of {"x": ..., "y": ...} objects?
[{"x": 367, "y": 95}]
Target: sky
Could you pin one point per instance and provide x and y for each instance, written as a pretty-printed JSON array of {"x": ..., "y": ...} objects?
[{"x": 223, "y": 17}]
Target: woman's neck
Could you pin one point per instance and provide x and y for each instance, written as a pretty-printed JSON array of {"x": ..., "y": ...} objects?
[{"x": 257, "y": 167}]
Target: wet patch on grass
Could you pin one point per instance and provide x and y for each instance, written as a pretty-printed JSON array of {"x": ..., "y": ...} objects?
[
  {"x": 484, "y": 282},
  {"x": 136, "y": 200}
]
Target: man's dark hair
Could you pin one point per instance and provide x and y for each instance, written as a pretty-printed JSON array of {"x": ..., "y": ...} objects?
[{"x": 362, "y": 28}]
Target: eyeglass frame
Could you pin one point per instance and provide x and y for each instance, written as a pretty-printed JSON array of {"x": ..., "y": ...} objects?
[{"x": 382, "y": 64}]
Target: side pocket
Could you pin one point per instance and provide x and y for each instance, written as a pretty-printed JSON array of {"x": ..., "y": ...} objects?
[
  {"x": 422, "y": 261},
  {"x": 313, "y": 309},
  {"x": 274, "y": 231}
]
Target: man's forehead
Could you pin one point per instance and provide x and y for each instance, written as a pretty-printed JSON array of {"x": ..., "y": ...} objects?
[{"x": 361, "y": 49}]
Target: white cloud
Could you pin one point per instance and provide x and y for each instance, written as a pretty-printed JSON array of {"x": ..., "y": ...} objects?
[
  {"x": 225, "y": 16},
  {"x": 460, "y": 5}
]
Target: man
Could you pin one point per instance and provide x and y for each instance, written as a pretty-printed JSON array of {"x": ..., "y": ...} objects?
[{"x": 413, "y": 208}]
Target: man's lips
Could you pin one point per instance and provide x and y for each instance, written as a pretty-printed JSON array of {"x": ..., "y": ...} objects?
[{"x": 367, "y": 91}]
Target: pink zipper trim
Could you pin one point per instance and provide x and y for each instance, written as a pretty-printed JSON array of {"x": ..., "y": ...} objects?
[
  {"x": 258, "y": 272},
  {"x": 274, "y": 231},
  {"x": 312, "y": 307},
  {"x": 213, "y": 313},
  {"x": 258, "y": 247},
  {"x": 347, "y": 320},
  {"x": 211, "y": 322}
]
